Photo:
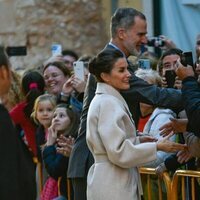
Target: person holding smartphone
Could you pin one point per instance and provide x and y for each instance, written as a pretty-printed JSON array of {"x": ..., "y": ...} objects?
[{"x": 166, "y": 68}]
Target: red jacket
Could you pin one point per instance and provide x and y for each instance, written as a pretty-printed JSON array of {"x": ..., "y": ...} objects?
[{"x": 19, "y": 118}]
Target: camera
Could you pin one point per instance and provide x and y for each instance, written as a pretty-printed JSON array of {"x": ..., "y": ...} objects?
[
  {"x": 187, "y": 59},
  {"x": 16, "y": 51},
  {"x": 155, "y": 42}
]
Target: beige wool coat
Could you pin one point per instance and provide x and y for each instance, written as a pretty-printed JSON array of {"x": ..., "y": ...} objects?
[{"x": 111, "y": 137}]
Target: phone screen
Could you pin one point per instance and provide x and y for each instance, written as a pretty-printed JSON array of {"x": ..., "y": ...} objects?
[{"x": 56, "y": 49}]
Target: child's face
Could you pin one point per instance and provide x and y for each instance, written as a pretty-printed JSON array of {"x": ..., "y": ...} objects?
[
  {"x": 44, "y": 113},
  {"x": 60, "y": 119}
]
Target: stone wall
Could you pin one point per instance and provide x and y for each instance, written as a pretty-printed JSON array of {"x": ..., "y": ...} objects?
[{"x": 76, "y": 24}]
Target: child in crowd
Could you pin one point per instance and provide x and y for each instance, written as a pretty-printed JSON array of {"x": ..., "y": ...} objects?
[
  {"x": 42, "y": 115},
  {"x": 63, "y": 128}
]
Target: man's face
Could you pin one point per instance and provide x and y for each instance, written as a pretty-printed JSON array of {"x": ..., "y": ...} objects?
[
  {"x": 169, "y": 62},
  {"x": 134, "y": 37},
  {"x": 68, "y": 60}
]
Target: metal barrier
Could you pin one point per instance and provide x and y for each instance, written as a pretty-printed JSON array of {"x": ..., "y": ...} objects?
[
  {"x": 183, "y": 174},
  {"x": 68, "y": 188},
  {"x": 166, "y": 179},
  {"x": 40, "y": 173}
]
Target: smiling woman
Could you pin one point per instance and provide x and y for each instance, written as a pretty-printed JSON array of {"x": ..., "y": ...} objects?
[
  {"x": 55, "y": 75},
  {"x": 111, "y": 134}
]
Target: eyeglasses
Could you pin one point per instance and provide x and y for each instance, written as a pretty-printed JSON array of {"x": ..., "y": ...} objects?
[{"x": 53, "y": 75}]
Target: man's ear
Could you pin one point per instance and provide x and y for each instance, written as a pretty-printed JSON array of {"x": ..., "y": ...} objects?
[{"x": 121, "y": 33}]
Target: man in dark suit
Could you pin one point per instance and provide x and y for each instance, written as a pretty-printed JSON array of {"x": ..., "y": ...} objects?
[
  {"x": 15, "y": 180},
  {"x": 128, "y": 33}
]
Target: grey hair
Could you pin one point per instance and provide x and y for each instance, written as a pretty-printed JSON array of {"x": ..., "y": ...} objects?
[{"x": 124, "y": 18}]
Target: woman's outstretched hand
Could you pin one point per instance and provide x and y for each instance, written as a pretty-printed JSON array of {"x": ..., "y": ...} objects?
[{"x": 168, "y": 146}]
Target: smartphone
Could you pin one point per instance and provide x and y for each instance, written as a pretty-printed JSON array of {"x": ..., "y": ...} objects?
[
  {"x": 56, "y": 49},
  {"x": 16, "y": 51},
  {"x": 79, "y": 70},
  {"x": 170, "y": 76},
  {"x": 144, "y": 63},
  {"x": 187, "y": 59}
]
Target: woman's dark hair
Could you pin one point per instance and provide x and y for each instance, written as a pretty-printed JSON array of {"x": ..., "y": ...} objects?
[
  {"x": 4, "y": 61},
  {"x": 74, "y": 117},
  {"x": 32, "y": 86},
  {"x": 60, "y": 65},
  {"x": 104, "y": 62}
]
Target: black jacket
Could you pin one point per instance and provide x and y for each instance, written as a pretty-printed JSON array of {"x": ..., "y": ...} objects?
[
  {"x": 140, "y": 91},
  {"x": 17, "y": 171},
  {"x": 191, "y": 98}
]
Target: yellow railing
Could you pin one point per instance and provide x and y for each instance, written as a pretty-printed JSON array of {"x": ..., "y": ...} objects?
[
  {"x": 148, "y": 172},
  {"x": 183, "y": 174},
  {"x": 171, "y": 185}
]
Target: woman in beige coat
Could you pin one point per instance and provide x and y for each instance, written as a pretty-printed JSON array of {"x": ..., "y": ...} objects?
[{"x": 111, "y": 134}]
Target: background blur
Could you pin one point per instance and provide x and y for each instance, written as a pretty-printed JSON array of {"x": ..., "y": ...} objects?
[{"x": 83, "y": 25}]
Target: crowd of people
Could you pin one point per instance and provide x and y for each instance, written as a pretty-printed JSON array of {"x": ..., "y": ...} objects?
[{"x": 91, "y": 135}]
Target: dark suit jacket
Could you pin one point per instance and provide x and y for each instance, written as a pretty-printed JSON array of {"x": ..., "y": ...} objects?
[
  {"x": 140, "y": 91},
  {"x": 17, "y": 171}
]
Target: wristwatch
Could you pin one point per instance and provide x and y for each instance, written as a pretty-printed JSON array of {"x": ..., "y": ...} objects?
[{"x": 64, "y": 97}]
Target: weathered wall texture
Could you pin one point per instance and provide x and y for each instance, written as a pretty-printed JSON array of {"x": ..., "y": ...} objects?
[{"x": 76, "y": 24}]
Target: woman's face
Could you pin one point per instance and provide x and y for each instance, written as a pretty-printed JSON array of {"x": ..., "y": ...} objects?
[
  {"x": 54, "y": 79},
  {"x": 119, "y": 75},
  {"x": 61, "y": 120},
  {"x": 44, "y": 113}
]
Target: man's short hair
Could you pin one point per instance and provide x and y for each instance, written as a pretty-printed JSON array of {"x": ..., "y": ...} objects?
[
  {"x": 68, "y": 52},
  {"x": 124, "y": 18}
]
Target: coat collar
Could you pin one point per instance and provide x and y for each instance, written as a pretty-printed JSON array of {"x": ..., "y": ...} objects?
[{"x": 103, "y": 88}]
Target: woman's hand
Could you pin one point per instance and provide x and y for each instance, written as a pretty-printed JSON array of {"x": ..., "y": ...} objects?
[
  {"x": 65, "y": 145},
  {"x": 168, "y": 146},
  {"x": 68, "y": 87},
  {"x": 145, "y": 138},
  {"x": 78, "y": 84}
]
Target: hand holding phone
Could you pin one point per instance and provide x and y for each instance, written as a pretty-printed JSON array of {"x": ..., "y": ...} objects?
[
  {"x": 16, "y": 51},
  {"x": 170, "y": 76},
  {"x": 56, "y": 49}
]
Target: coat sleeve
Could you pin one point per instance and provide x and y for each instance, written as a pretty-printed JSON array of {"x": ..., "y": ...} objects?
[
  {"x": 141, "y": 91},
  {"x": 122, "y": 151},
  {"x": 191, "y": 98},
  {"x": 55, "y": 164}
]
